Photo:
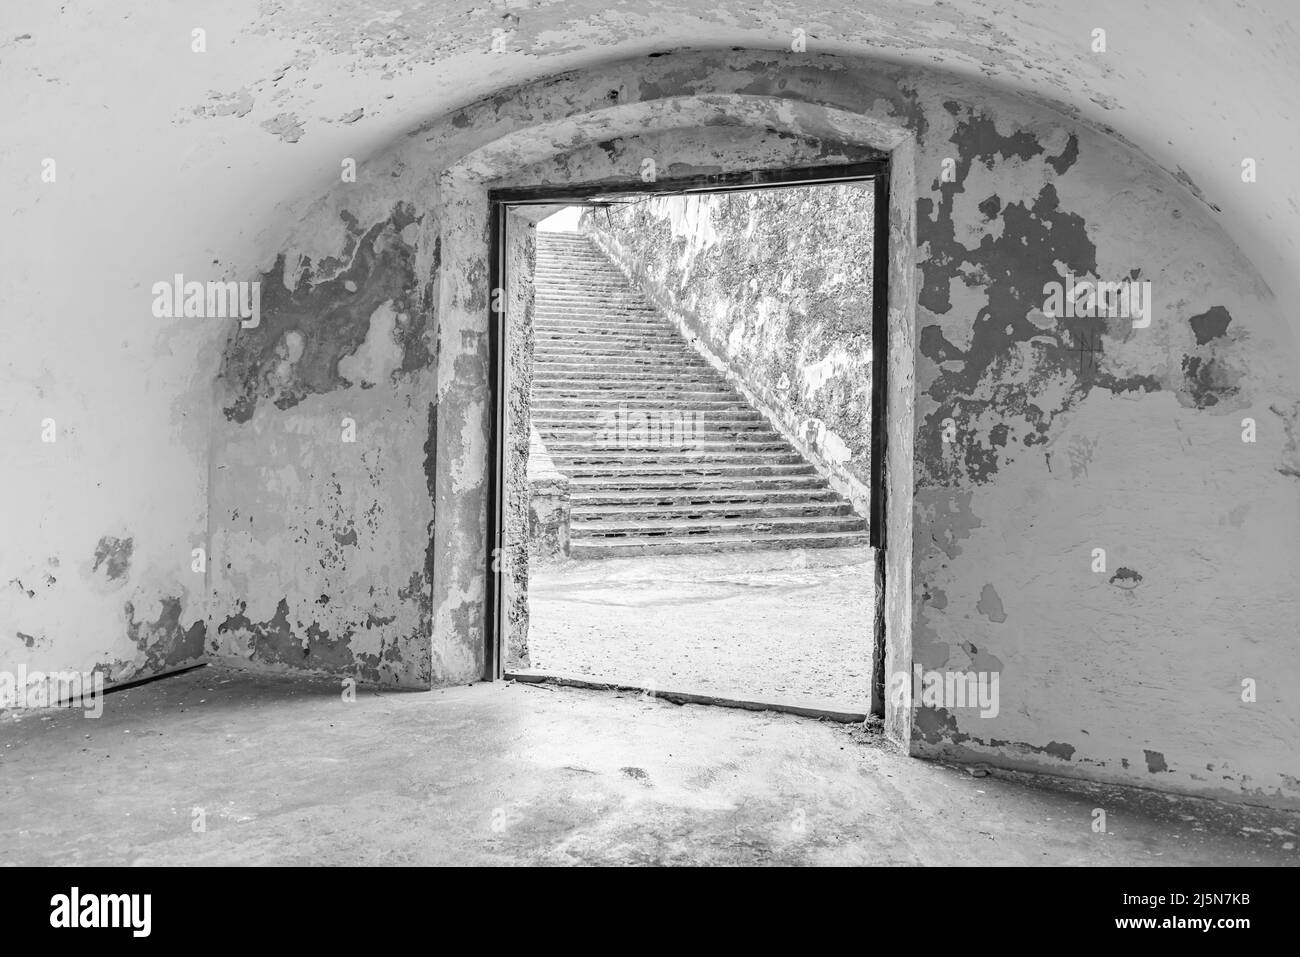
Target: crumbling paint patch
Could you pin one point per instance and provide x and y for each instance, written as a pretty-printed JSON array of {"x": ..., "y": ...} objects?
[
  {"x": 1208, "y": 381},
  {"x": 935, "y": 725},
  {"x": 380, "y": 353},
  {"x": 1068, "y": 156},
  {"x": 1039, "y": 242},
  {"x": 1155, "y": 762},
  {"x": 1210, "y": 324},
  {"x": 287, "y": 126},
  {"x": 1058, "y": 750},
  {"x": 1126, "y": 578},
  {"x": 115, "y": 555},
  {"x": 990, "y": 605},
  {"x": 981, "y": 660},
  {"x": 324, "y": 315},
  {"x": 238, "y": 103},
  {"x": 165, "y": 641},
  {"x": 275, "y": 641}
]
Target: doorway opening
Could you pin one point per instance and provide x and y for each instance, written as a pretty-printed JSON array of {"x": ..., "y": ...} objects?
[{"x": 696, "y": 368}]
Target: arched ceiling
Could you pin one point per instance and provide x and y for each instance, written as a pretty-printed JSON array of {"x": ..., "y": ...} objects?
[{"x": 156, "y": 133}]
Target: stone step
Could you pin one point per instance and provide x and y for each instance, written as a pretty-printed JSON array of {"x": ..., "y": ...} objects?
[
  {"x": 738, "y": 444},
  {"x": 602, "y": 377},
  {"x": 596, "y": 429},
  {"x": 631, "y": 362},
  {"x": 546, "y": 388},
  {"x": 737, "y": 440},
  {"x": 600, "y": 317},
  {"x": 548, "y": 350},
  {"x": 618, "y": 339},
  {"x": 757, "y": 432},
  {"x": 598, "y": 410},
  {"x": 801, "y": 524},
  {"x": 676, "y": 497},
  {"x": 588, "y": 293},
  {"x": 670, "y": 458},
  {"x": 613, "y": 284},
  {"x": 603, "y": 321},
  {"x": 707, "y": 513},
  {"x": 729, "y": 483},
  {"x": 576, "y": 271},
  {"x": 648, "y": 387},
  {"x": 594, "y": 305},
  {"x": 684, "y": 474},
  {"x": 657, "y": 385},
  {"x": 602, "y": 404},
  {"x": 669, "y": 346},
  {"x": 597, "y": 548},
  {"x": 623, "y": 451},
  {"x": 609, "y": 399},
  {"x": 596, "y": 311},
  {"x": 605, "y": 356},
  {"x": 576, "y": 421},
  {"x": 606, "y": 327},
  {"x": 555, "y": 368},
  {"x": 583, "y": 332},
  {"x": 584, "y": 335},
  {"x": 624, "y": 372},
  {"x": 580, "y": 415}
]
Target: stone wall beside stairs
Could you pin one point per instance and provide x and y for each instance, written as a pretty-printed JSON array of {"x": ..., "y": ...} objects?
[
  {"x": 548, "y": 504},
  {"x": 773, "y": 286}
]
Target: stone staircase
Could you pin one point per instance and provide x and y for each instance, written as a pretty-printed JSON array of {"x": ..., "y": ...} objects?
[{"x": 663, "y": 455}]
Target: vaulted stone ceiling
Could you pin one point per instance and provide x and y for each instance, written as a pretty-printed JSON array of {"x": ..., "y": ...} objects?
[{"x": 287, "y": 87}]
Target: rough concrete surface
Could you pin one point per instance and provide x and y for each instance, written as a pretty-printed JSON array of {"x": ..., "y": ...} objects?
[
  {"x": 286, "y": 773},
  {"x": 769, "y": 626}
]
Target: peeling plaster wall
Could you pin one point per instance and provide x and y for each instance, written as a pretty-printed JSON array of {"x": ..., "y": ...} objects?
[
  {"x": 775, "y": 284},
  {"x": 321, "y": 504},
  {"x": 1033, "y": 450}
]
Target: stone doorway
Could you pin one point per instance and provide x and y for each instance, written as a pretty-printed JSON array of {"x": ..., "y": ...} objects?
[{"x": 700, "y": 463}]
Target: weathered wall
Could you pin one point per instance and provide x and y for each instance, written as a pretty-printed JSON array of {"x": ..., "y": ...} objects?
[
  {"x": 321, "y": 509},
  {"x": 776, "y": 285},
  {"x": 1041, "y": 438}
]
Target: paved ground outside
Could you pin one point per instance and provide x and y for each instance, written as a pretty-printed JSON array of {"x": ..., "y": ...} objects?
[{"x": 776, "y": 626}]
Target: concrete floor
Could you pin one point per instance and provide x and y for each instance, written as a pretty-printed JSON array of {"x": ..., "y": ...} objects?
[
  {"x": 287, "y": 773},
  {"x": 776, "y": 626}
]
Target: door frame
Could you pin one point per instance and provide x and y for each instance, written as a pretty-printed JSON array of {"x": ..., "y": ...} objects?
[{"x": 502, "y": 200}]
